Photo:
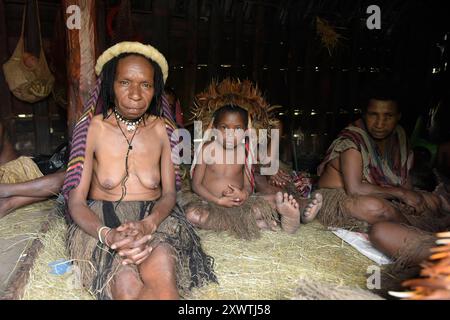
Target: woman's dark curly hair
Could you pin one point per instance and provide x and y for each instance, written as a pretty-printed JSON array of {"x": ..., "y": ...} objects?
[{"x": 107, "y": 87}]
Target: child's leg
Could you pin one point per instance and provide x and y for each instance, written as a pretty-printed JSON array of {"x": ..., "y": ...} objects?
[{"x": 262, "y": 224}]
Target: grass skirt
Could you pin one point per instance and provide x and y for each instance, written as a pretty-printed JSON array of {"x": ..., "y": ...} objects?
[
  {"x": 334, "y": 214},
  {"x": 98, "y": 265},
  {"x": 238, "y": 221}
]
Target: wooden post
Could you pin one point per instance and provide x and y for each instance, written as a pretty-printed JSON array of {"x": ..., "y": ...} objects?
[
  {"x": 190, "y": 68},
  {"x": 161, "y": 18},
  {"x": 215, "y": 38},
  {"x": 81, "y": 59},
  {"x": 40, "y": 109}
]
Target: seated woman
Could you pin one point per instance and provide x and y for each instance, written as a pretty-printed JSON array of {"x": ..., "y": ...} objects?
[
  {"x": 129, "y": 238},
  {"x": 408, "y": 245},
  {"x": 21, "y": 181}
]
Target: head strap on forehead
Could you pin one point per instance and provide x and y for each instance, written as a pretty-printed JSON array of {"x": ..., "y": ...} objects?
[{"x": 133, "y": 47}]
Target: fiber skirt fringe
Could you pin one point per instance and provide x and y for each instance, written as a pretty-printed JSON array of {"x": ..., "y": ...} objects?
[
  {"x": 239, "y": 221},
  {"x": 98, "y": 265},
  {"x": 405, "y": 265},
  {"x": 334, "y": 214}
]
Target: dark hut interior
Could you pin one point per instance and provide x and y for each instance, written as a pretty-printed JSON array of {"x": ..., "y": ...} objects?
[
  {"x": 312, "y": 58},
  {"x": 315, "y": 77}
]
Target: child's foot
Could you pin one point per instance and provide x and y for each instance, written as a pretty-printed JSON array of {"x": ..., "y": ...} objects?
[
  {"x": 312, "y": 209},
  {"x": 288, "y": 208}
]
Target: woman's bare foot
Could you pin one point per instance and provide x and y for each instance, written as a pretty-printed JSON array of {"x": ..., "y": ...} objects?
[
  {"x": 289, "y": 210},
  {"x": 312, "y": 209}
]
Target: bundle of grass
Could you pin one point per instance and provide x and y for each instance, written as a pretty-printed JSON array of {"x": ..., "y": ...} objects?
[
  {"x": 25, "y": 221},
  {"x": 42, "y": 284},
  {"x": 329, "y": 38}
]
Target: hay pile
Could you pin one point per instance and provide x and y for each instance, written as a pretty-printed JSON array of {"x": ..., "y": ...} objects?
[
  {"x": 315, "y": 290},
  {"x": 17, "y": 232},
  {"x": 268, "y": 268},
  {"x": 42, "y": 285},
  {"x": 25, "y": 221}
]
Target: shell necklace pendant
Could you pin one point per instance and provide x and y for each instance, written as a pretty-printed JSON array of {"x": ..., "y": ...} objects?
[{"x": 131, "y": 124}]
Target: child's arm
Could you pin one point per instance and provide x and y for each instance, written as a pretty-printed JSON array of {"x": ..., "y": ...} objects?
[
  {"x": 197, "y": 186},
  {"x": 202, "y": 191}
]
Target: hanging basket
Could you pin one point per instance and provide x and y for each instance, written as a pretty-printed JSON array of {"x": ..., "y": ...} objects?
[{"x": 28, "y": 79}]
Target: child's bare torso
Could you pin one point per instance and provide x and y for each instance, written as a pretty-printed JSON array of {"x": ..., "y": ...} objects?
[{"x": 218, "y": 176}]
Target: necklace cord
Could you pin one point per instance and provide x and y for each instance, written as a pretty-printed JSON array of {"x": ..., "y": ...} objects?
[{"x": 125, "y": 178}]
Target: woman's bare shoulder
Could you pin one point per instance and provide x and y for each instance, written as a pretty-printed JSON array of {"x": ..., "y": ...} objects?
[
  {"x": 158, "y": 124},
  {"x": 97, "y": 120},
  {"x": 96, "y": 127}
]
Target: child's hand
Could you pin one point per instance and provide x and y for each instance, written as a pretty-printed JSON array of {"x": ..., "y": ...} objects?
[
  {"x": 228, "y": 202},
  {"x": 227, "y": 192},
  {"x": 236, "y": 193}
]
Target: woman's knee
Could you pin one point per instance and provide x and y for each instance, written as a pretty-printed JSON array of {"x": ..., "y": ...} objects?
[
  {"x": 127, "y": 285},
  {"x": 378, "y": 233},
  {"x": 380, "y": 210},
  {"x": 159, "y": 265}
]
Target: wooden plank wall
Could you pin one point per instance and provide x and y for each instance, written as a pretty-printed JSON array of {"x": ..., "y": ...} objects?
[{"x": 274, "y": 44}]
